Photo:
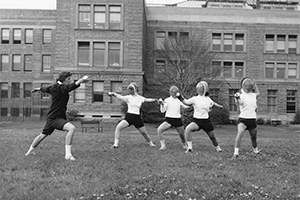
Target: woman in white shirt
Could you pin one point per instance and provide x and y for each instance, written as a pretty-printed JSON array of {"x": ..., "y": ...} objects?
[
  {"x": 202, "y": 104},
  {"x": 134, "y": 102},
  {"x": 246, "y": 100},
  {"x": 172, "y": 106}
]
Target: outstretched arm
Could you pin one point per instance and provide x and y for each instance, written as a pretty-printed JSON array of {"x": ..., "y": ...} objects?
[
  {"x": 118, "y": 96},
  {"x": 183, "y": 100},
  {"x": 256, "y": 89},
  {"x": 150, "y": 100},
  {"x": 218, "y": 105}
]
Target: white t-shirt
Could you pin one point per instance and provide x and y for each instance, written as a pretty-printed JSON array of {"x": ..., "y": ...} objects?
[
  {"x": 134, "y": 103},
  {"x": 248, "y": 105},
  {"x": 172, "y": 107},
  {"x": 202, "y": 106}
]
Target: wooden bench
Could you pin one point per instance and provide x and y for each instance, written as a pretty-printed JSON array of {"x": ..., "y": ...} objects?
[{"x": 96, "y": 124}]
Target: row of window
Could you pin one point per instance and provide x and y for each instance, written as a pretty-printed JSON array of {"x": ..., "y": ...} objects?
[
  {"x": 18, "y": 62},
  {"x": 235, "y": 42},
  {"x": 100, "y": 16},
  {"x": 27, "y": 111},
  {"x": 98, "y": 93},
  {"x": 99, "y": 53},
  {"x": 79, "y": 93},
  {"x": 237, "y": 69},
  {"x": 26, "y": 35}
]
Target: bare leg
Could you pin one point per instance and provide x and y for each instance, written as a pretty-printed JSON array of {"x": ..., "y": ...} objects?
[
  {"x": 146, "y": 135},
  {"x": 253, "y": 134},
  {"x": 122, "y": 125},
  {"x": 162, "y": 128},
  {"x": 69, "y": 140},
  {"x": 37, "y": 140},
  {"x": 212, "y": 137},
  {"x": 238, "y": 140},
  {"x": 188, "y": 135}
]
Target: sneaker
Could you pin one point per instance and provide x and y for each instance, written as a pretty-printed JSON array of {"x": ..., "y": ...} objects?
[
  {"x": 184, "y": 145},
  {"x": 235, "y": 156},
  {"x": 151, "y": 144},
  {"x": 189, "y": 151},
  {"x": 70, "y": 158},
  {"x": 30, "y": 153},
  {"x": 162, "y": 148},
  {"x": 114, "y": 147},
  {"x": 218, "y": 149},
  {"x": 256, "y": 151}
]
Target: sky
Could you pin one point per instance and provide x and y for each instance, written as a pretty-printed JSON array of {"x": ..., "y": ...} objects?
[{"x": 51, "y": 4}]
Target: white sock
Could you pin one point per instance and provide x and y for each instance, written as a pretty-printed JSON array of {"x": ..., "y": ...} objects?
[
  {"x": 218, "y": 148},
  {"x": 190, "y": 145},
  {"x": 29, "y": 150},
  {"x": 116, "y": 142},
  {"x": 255, "y": 150},
  {"x": 151, "y": 143},
  {"x": 68, "y": 151},
  {"x": 236, "y": 151},
  {"x": 162, "y": 143}
]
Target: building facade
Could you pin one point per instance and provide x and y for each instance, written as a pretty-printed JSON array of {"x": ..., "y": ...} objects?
[{"x": 115, "y": 42}]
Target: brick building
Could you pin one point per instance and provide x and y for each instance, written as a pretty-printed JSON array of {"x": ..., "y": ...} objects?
[{"x": 115, "y": 42}]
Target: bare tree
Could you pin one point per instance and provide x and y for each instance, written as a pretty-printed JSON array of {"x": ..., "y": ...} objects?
[{"x": 188, "y": 61}]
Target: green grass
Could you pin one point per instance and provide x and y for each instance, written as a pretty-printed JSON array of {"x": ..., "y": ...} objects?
[{"x": 137, "y": 171}]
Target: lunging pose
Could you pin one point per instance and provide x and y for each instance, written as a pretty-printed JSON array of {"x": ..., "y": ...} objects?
[
  {"x": 172, "y": 107},
  {"x": 202, "y": 105},
  {"x": 56, "y": 117},
  {"x": 246, "y": 100},
  {"x": 134, "y": 102}
]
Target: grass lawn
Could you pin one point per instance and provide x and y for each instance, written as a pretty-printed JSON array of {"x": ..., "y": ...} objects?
[{"x": 137, "y": 171}]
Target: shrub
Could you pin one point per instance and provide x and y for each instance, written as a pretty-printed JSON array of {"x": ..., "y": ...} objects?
[
  {"x": 260, "y": 121},
  {"x": 219, "y": 116},
  {"x": 187, "y": 116},
  {"x": 268, "y": 122},
  {"x": 72, "y": 115},
  {"x": 124, "y": 107},
  {"x": 150, "y": 113},
  {"x": 297, "y": 117}
]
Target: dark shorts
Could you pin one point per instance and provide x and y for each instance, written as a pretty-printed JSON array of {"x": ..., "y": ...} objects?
[
  {"x": 52, "y": 124},
  {"x": 204, "y": 124},
  {"x": 249, "y": 123},
  {"x": 174, "y": 122},
  {"x": 134, "y": 120}
]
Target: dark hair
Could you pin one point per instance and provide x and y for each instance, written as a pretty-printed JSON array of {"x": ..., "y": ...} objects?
[{"x": 63, "y": 75}]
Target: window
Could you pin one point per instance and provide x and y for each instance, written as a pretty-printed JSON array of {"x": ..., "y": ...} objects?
[
  {"x": 270, "y": 40},
  {"x": 5, "y": 36},
  {"x": 45, "y": 95},
  {"x": 79, "y": 94},
  {"x": 160, "y": 69},
  {"x": 272, "y": 101},
  {"x": 4, "y": 63},
  {"x": 3, "y": 90},
  {"x": 292, "y": 70},
  {"x": 228, "y": 41},
  {"x": 232, "y": 105},
  {"x": 47, "y": 36},
  {"x": 291, "y": 101},
  {"x": 28, "y": 63},
  {"x": 4, "y": 112},
  {"x": 46, "y": 65},
  {"x": 116, "y": 86},
  {"x": 27, "y": 90},
  {"x": 239, "y": 69},
  {"x": 27, "y": 112},
  {"x": 44, "y": 112},
  {"x": 184, "y": 36},
  {"x": 114, "y": 17},
  {"x": 99, "y": 16},
  {"x": 28, "y": 36},
  {"x": 280, "y": 70},
  {"x": 84, "y": 16},
  {"x": 98, "y": 88},
  {"x": 17, "y": 36},
  {"x": 114, "y": 50},
  {"x": 15, "y": 112},
  {"x": 160, "y": 39},
  {"x": 99, "y": 53},
  {"x": 83, "y": 53},
  {"x": 216, "y": 46},
  {"x": 227, "y": 72},
  {"x": 280, "y": 43},
  {"x": 292, "y": 44},
  {"x": 270, "y": 67},
  {"x": 16, "y": 63},
  {"x": 172, "y": 37},
  {"x": 239, "y": 42},
  {"x": 15, "y": 90}
]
